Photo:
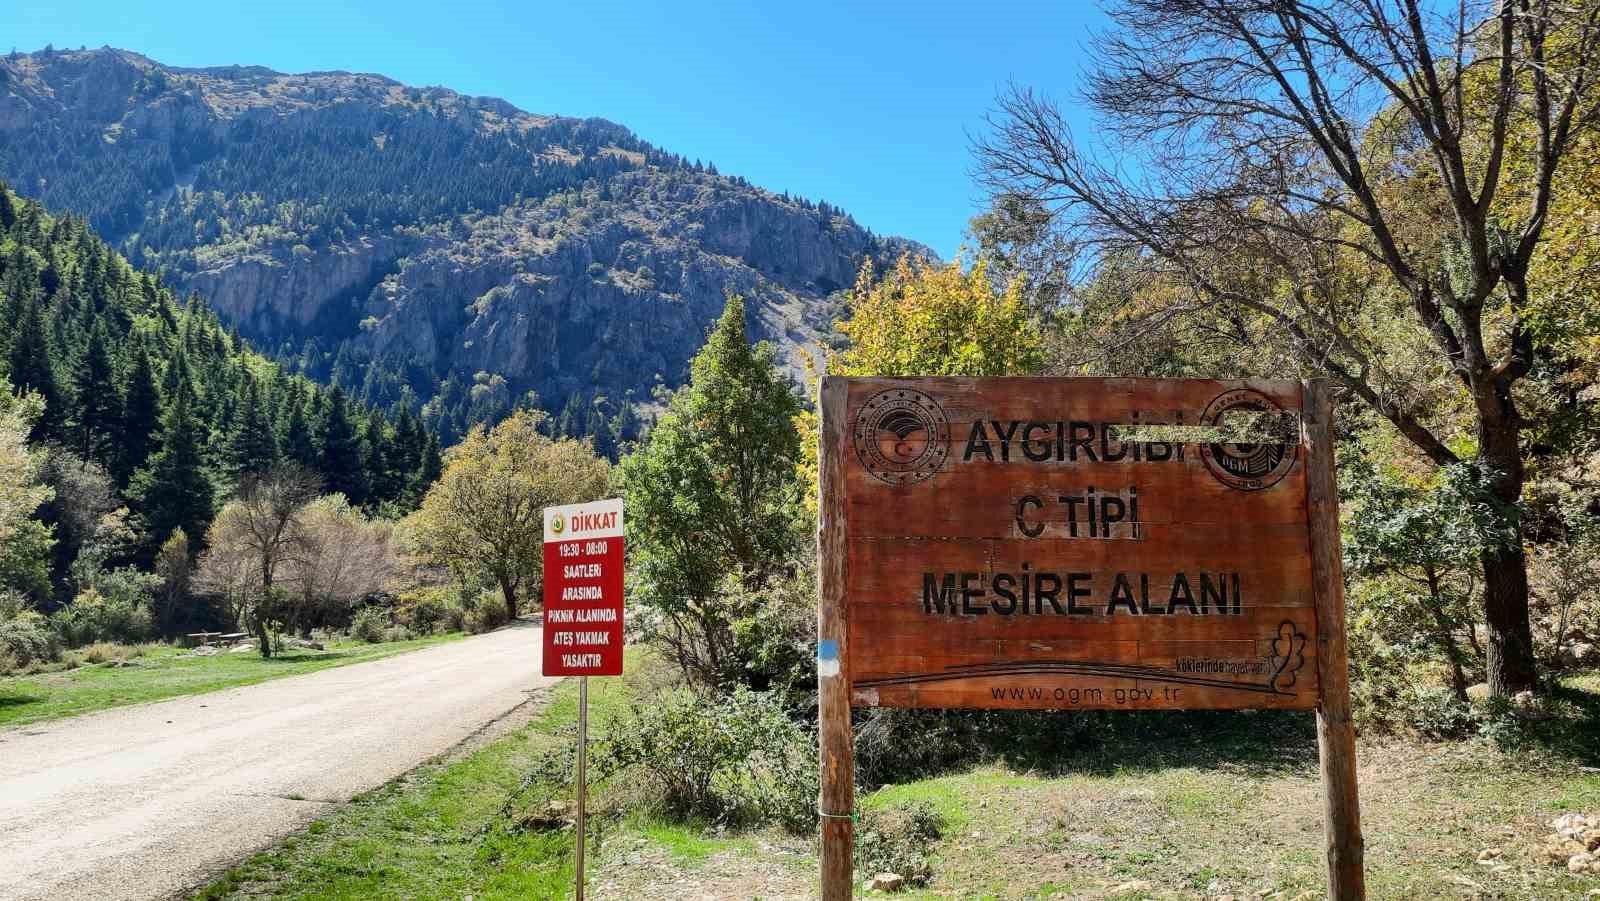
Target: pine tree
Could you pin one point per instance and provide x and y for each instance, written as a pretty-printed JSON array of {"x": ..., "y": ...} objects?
[
  {"x": 172, "y": 490},
  {"x": 382, "y": 483},
  {"x": 141, "y": 414},
  {"x": 605, "y": 443},
  {"x": 298, "y": 443},
  {"x": 177, "y": 377},
  {"x": 32, "y": 370},
  {"x": 99, "y": 401},
  {"x": 428, "y": 470},
  {"x": 252, "y": 445},
  {"x": 342, "y": 455},
  {"x": 625, "y": 425}
]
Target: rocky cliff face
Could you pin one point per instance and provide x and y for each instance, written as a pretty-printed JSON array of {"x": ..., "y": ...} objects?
[{"x": 418, "y": 236}]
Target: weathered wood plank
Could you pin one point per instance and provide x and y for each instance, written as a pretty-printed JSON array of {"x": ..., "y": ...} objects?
[
  {"x": 1336, "y": 738},
  {"x": 836, "y": 797}
]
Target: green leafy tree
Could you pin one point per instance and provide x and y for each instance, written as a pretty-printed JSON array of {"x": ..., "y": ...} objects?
[
  {"x": 713, "y": 500},
  {"x": 923, "y": 319},
  {"x": 484, "y": 517},
  {"x": 25, "y": 543},
  {"x": 1417, "y": 546}
]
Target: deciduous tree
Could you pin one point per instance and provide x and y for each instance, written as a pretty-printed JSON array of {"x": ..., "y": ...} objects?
[
  {"x": 484, "y": 517},
  {"x": 1322, "y": 165}
]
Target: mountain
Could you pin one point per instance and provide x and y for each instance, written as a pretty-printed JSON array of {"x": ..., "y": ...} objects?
[{"x": 415, "y": 245}]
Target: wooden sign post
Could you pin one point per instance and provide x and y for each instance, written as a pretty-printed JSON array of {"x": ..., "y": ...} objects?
[{"x": 1077, "y": 544}]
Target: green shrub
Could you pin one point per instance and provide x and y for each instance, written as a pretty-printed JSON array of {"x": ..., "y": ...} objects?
[
  {"x": 117, "y": 610},
  {"x": 489, "y": 610},
  {"x": 398, "y": 633},
  {"x": 370, "y": 624},
  {"x": 428, "y": 611},
  {"x": 738, "y": 757},
  {"x": 26, "y": 640},
  {"x": 897, "y": 840}
]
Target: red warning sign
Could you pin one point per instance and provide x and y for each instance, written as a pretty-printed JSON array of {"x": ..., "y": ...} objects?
[{"x": 583, "y": 589}]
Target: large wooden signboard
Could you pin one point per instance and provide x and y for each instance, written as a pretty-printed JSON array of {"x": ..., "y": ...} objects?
[{"x": 1057, "y": 544}]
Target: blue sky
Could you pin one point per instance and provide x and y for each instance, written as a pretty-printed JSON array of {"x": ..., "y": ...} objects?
[{"x": 866, "y": 105}]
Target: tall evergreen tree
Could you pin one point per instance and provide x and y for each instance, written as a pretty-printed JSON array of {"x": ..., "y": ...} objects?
[
  {"x": 383, "y": 484},
  {"x": 342, "y": 455},
  {"x": 299, "y": 445},
  {"x": 32, "y": 370},
  {"x": 172, "y": 491},
  {"x": 99, "y": 401},
  {"x": 428, "y": 470},
  {"x": 141, "y": 415},
  {"x": 599, "y": 427},
  {"x": 252, "y": 444}
]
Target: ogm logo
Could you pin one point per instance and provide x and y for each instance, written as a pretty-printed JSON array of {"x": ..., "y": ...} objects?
[
  {"x": 901, "y": 436},
  {"x": 558, "y": 524},
  {"x": 1249, "y": 466}
]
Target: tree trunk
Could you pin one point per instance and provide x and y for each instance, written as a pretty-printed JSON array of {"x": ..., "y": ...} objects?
[
  {"x": 262, "y": 638},
  {"x": 1512, "y": 667},
  {"x": 508, "y": 590},
  {"x": 1511, "y": 664}
]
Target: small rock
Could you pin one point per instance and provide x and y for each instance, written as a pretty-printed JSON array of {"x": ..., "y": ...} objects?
[
  {"x": 1580, "y": 653},
  {"x": 1579, "y": 863},
  {"x": 1128, "y": 888},
  {"x": 1489, "y": 855},
  {"x": 886, "y": 882},
  {"x": 1478, "y": 692},
  {"x": 1569, "y": 821}
]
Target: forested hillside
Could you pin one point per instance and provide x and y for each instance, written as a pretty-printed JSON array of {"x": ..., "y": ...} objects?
[
  {"x": 418, "y": 247},
  {"x": 146, "y": 411}
]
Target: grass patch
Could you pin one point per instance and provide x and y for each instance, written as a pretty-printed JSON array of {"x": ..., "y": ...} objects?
[
  {"x": 1198, "y": 806},
  {"x": 433, "y": 833},
  {"x": 163, "y": 671}
]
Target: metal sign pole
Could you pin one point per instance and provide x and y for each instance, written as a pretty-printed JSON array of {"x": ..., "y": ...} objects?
[{"x": 583, "y": 759}]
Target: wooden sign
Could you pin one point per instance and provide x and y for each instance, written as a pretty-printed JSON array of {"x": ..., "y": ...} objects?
[{"x": 1073, "y": 544}]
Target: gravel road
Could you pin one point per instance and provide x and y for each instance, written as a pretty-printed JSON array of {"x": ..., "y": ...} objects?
[{"x": 146, "y": 801}]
